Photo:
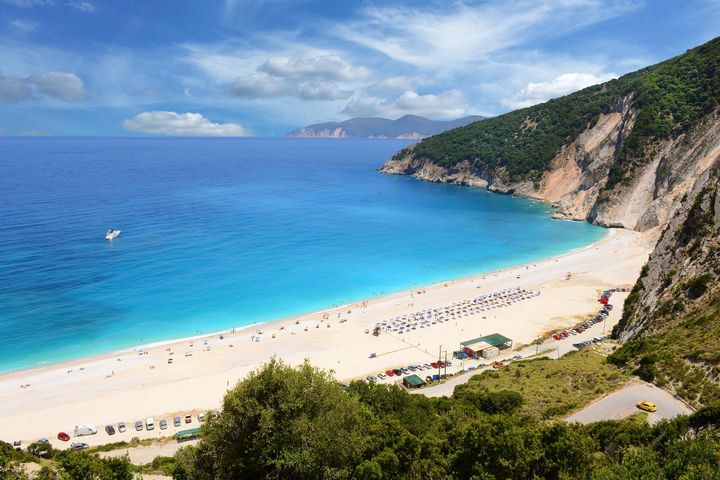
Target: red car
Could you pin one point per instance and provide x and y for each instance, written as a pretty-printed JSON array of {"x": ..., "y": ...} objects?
[
  {"x": 389, "y": 373},
  {"x": 557, "y": 336},
  {"x": 63, "y": 436}
]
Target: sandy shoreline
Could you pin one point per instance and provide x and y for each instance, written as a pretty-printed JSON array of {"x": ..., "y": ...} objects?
[
  {"x": 126, "y": 385},
  {"x": 24, "y": 372}
]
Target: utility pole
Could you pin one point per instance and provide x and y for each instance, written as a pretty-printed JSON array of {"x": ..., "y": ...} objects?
[{"x": 440, "y": 356}]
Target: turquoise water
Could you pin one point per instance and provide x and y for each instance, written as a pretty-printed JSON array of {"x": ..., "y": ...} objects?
[{"x": 220, "y": 233}]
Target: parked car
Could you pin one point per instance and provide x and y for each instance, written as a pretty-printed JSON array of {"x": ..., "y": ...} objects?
[
  {"x": 138, "y": 425},
  {"x": 517, "y": 357},
  {"x": 63, "y": 436},
  {"x": 389, "y": 373},
  {"x": 397, "y": 372},
  {"x": 188, "y": 418},
  {"x": 121, "y": 427},
  {"x": 382, "y": 376},
  {"x": 371, "y": 379},
  {"x": 201, "y": 417},
  {"x": 176, "y": 421},
  {"x": 42, "y": 440},
  {"x": 163, "y": 424},
  {"x": 110, "y": 430},
  {"x": 647, "y": 406},
  {"x": 79, "y": 446}
]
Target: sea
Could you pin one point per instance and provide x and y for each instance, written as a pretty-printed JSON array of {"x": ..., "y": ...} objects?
[{"x": 220, "y": 233}]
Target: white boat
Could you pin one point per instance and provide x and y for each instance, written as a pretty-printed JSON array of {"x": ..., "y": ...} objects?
[{"x": 110, "y": 234}]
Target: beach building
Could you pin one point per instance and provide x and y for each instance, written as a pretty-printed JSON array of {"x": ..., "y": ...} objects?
[
  {"x": 189, "y": 434},
  {"x": 488, "y": 346},
  {"x": 413, "y": 381}
]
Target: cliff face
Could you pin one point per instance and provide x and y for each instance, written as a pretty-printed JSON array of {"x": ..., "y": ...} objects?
[
  {"x": 579, "y": 172},
  {"x": 619, "y": 154},
  {"x": 671, "y": 320}
]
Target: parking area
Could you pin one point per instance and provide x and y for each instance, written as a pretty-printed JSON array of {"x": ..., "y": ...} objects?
[{"x": 163, "y": 426}]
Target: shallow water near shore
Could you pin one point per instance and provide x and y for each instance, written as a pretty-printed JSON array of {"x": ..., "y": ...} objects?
[{"x": 220, "y": 233}]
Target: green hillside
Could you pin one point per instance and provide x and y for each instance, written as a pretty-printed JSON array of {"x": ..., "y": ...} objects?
[{"x": 671, "y": 97}]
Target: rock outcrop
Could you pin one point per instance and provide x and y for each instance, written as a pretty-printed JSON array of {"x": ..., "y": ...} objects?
[
  {"x": 579, "y": 172},
  {"x": 671, "y": 321}
]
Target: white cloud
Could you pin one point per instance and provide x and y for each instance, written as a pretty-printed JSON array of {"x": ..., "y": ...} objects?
[
  {"x": 394, "y": 85},
  {"x": 27, "y": 3},
  {"x": 461, "y": 32},
  {"x": 59, "y": 85},
  {"x": 83, "y": 6},
  {"x": 265, "y": 86},
  {"x": 13, "y": 90},
  {"x": 181, "y": 125},
  {"x": 301, "y": 67},
  {"x": 63, "y": 86},
  {"x": 535, "y": 93},
  {"x": 323, "y": 91},
  {"x": 449, "y": 104},
  {"x": 260, "y": 86}
]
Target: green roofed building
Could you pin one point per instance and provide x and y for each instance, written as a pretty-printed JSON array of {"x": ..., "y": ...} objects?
[
  {"x": 487, "y": 346},
  {"x": 494, "y": 340},
  {"x": 413, "y": 381},
  {"x": 187, "y": 434}
]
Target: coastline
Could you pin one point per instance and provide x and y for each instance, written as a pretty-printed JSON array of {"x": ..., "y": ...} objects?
[
  {"x": 170, "y": 340},
  {"x": 125, "y": 385}
]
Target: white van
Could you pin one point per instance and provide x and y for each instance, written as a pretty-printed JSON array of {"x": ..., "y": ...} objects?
[
  {"x": 81, "y": 430},
  {"x": 150, "y": 423}
]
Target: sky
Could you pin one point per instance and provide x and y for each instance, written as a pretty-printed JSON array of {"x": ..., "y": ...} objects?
[{"x": 264, "y": 67}]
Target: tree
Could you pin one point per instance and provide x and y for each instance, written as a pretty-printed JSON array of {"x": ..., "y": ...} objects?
[{"x": 285, "y": 422}]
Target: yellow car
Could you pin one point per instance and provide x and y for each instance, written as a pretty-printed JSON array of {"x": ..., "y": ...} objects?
[{"x": 647, "y": 406}]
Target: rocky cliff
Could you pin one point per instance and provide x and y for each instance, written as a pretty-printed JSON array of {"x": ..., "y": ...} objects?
[
  {"x": 620, "y": 154},
  {"x": 575, "y": 183},
  {"x": 671, "y": 320}
]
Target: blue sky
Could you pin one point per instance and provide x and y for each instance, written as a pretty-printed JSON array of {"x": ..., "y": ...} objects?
[{"x": 263, "y": 67}]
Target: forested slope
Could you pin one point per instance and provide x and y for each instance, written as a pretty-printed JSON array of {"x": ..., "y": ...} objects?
[{"x": 616, "y": 154}]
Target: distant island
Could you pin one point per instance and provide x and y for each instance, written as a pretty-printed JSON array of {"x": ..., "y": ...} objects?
[{"x": 407, "y": 127}]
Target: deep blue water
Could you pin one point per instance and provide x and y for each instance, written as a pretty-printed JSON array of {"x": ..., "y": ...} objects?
[{"x": 219, "y": 233}]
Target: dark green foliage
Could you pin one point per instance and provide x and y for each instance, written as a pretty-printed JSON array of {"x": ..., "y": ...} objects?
[
  {"x": 287, "y": 423},
  {"x": 647, "y": 369},
  {"x": 458, "y": 438},
  {"x": 671, "y": 98},
  {"x": 696, "y": 286}
]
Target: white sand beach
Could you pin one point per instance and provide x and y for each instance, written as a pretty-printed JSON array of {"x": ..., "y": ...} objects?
[{"x": 131, "y": 385}]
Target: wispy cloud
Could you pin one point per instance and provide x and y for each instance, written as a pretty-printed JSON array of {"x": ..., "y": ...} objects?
[
  {"x": 22, "y": 25},
  {"x": 303, "y": 67},
  {"x": 462, "y": 32},
  {"x": 449, "y": 104},
  {"x": 83, "y": 6}
]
